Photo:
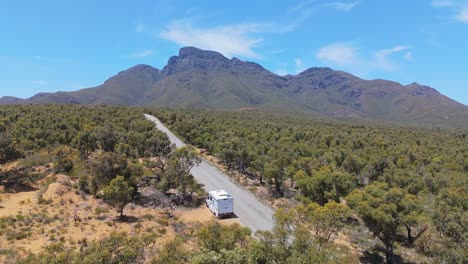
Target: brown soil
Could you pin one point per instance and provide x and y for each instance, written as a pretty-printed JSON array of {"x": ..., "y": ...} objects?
[
  {"x": 61, "y": 202},
  {"x": 202, "y": 215}
]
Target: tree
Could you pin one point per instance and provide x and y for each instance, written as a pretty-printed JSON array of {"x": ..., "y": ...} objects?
[
  {"x": 451, "y": 211},
  {"x": 323, "y": 221},
  {"x": 414, "y": 219},
  {"x": 275, "y": 246},
  {"x": 118, "y": 194},
  {"x": 105, "y": 167},
  {"x": 8, "y": 152},
  {"x": 237, "y": 255},
  {"x": 63, "y": 161},
  {"x": 324, "y": 185},
  {"x": 384, "y": 210},
  {"x": 179, "y": 165},
  {"x": 174, "y": 252},
  {"x": 117, "y": 248},
  {"x": 352, "y": 164},
  {"x": 451, "y": 220},
  {"x": 15, "y": 176},
  {"x": 107, "y": 136},
  {"x": 156, "y": 144},
  {"x": 294, "y": 237},
  {"x": 276, "y": 171},
  {"x": 85, "y": 142}
]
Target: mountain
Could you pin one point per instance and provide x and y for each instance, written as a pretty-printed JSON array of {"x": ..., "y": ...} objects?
[{"x": 206, "y": 79}]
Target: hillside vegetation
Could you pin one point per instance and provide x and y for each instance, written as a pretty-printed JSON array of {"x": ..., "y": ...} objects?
[
  {"x": 58, "y": 164},
  {"x": 64, "y": 167},
  {"x": 346, "y": 193},
  {"x": 406, "y": 185}
]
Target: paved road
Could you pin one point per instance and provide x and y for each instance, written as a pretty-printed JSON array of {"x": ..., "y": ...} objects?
[{"x": 247, "y": 207}]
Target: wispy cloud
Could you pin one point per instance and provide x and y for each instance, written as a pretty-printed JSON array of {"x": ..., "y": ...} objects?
[
  {"x": 338, "y": 53},
  {"x": 408, "y": 56},
  {"x": 462, "y": 15},
  {"x": 382, "y": 57},
  {"x": 458, "y": 8},
  {"x": 347, "y": 55},
  {"x": 308, "y": 4},
  {"x": 306, "y": 8},
  {"x": 301, "y": 5},
  {"x": 143, "y": 54},
  {"x": 442, "y": 3},
  {"x": 299, "y": 65},
  {"x": 230, "y": 40},
  {"x": 39, "y": 82},
  {"x": 344, "y": 6}
]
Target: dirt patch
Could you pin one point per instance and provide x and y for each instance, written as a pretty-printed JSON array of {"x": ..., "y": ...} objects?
[
  {"x": 9, "y": 166},
  {"x": 17, "y": 203},
  {"x": 61, "y": 214},
  {"x": 203, "y": 215}
]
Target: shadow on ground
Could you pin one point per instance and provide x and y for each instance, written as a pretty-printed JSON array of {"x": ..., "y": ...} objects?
[
  {"x": 378, "y": 256},
  {"x": 126, "y": 219}
]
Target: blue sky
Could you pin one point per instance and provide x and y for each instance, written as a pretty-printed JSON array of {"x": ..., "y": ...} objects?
[{"x": 50, "y": 46}]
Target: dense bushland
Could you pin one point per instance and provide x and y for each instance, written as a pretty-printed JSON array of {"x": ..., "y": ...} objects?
[
  {"x": 408, "y": 185},
  {"x": 95, "y": 144}
]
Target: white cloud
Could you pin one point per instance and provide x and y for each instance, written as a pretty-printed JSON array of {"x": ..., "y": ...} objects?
[
  {"x": 302, "y": 5},
  {"x": 462, "y": 15},
  {"x": 230, "y": 40},
  {"x": 382, "y": 57},
  {"x": 300, "y": 67},
  {"x": 442, "y": 3},
  {"x": 39, "y": 82},
  {"x": 304, "y": 9},
  {"x": 298, "y": 62},
  {"x": 458, "y": 8},
  {"x": 338, "y": 53},
  {"x": 344, "y": 6},
  {"x": 408, "y": 56},
  {"x": 143, "y": 54},
  {"x": 308, "y": 4},
  {"x": 346, "y": 55}
]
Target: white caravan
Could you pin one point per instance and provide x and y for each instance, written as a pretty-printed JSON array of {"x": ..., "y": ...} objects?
[{"x": 220, "y": 203}]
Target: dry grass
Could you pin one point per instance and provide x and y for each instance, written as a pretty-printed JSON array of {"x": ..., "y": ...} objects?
[{"x": 31, "y": 220}]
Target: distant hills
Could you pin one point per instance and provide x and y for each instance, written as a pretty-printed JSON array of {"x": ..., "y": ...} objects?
[{"x": 206, "y": 79}]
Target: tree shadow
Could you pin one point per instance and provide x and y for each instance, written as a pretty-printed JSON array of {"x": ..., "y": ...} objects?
[
  {"x": 18, "y": 188},
  {"x": 377, "y": 255},
  {"x": 373, "y": 256},
  {"x": 126, "y": 219}
]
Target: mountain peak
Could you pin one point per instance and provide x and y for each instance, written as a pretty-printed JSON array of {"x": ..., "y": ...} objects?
[
  {"x": 418, "y": 89},
  {"x": 207, "y": 79},
  {"x": 140, "y": 68},
  {"x": 316, "y": 69},
  {"x": 190, "y": 52},
  {"x": 191, "y": 57},
  {"x": 139, "y": 71}
]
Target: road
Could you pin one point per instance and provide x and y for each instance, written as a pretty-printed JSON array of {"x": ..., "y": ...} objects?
[{"x": 247, "y": 207}]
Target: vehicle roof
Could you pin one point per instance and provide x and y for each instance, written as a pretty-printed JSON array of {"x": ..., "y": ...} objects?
[{"x": 220, "y": 194}]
